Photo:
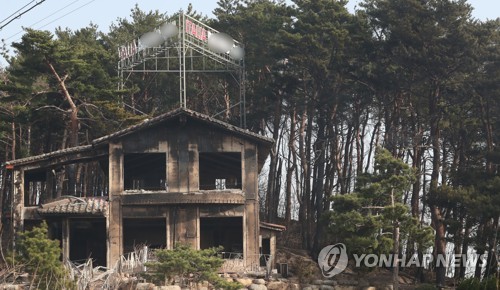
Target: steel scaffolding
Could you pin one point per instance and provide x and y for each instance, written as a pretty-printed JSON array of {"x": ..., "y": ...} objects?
[{"x": 184, "y": 48}]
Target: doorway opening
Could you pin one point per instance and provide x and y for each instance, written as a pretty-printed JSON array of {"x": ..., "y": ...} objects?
[
  {"x": 222, "y": 231},
  {"x": 151, "y": 232}
]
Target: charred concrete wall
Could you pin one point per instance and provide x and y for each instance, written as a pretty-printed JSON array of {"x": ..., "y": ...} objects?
[{"x": 182, "y": 141}]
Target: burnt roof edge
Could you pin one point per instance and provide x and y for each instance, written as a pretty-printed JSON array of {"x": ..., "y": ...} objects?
[
  {"x": 144, "y": 124},
  {"x": 186, "y": 112}
]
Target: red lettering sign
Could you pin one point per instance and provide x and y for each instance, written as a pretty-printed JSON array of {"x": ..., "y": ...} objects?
[
  {"x": 196, "y": 30},
  {"x": 127, "y": 50}
]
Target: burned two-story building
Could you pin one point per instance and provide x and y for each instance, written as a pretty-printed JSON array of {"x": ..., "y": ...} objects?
[{"x": 181, "y": 177}]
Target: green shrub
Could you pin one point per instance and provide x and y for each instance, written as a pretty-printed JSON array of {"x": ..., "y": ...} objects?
[
  {"x": 304, "y": 270},
  {"x": 490, "y": 283},
  {"x": 426, "y": 287},
  {"x": 188, "y": 265},
  {"x": 39, "y": 256}
]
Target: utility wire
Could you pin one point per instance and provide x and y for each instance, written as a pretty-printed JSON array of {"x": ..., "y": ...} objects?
[
  {"x": 67, "y": 14},
  {"x": 43, "y": 19},
  {"x": 53, "y": 13},
  {"x": 16, "y": 12},
  {"x": 21, "y": 14}
]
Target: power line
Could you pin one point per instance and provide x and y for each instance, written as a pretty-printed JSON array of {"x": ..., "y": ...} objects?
[
  {"x": 22, "y": 13},
  {"x": 31, "y": 26},
  {"x": 16, "y": 11},
  {"x": 67, "y": 14},
  {"x": 54, "y": 13}
]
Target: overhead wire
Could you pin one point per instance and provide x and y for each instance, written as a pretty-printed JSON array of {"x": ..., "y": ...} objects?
[
  {"x": 52, "y": 14},
  {"x": 22, "y": 13},
  {"x": 67, "y": 13},
  {"x": 16, "y": 12}
]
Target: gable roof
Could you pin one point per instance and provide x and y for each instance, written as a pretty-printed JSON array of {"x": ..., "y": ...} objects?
[
  {"x": 264, "y": 142},
  {"x": 191, "y": 114}
]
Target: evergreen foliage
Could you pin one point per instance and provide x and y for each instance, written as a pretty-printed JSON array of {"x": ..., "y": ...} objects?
[
  {"x": 363, "y": 220},
  {"x": 490, "y": 283},
  {"x": 420, "y": 78},
  {"x": 189, "y": 266},
  {"x": 39, "y": 256}
]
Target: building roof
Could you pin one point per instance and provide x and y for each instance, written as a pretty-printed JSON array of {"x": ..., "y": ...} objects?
[
  {"x": 71, "y": 205},
  {"x": 57, "y": 153},
  {"x": 88, "y": 149},
  {"x": 192, "y": 114},
  {"x": 272, "y": 227}
]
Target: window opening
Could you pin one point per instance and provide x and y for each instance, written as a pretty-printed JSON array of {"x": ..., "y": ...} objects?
[
  {"x": 220, "y": 170},
  {"x": 146, "y": 171}
]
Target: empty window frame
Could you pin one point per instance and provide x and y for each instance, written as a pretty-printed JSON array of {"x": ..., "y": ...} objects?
[
  {"x": 138, "y": 232},
  {"x": 146, "y": 171},
  {"x": 222, "y": 231},
  {"x": 35, "y": 186},
  {"x": 220, "y": 170}
]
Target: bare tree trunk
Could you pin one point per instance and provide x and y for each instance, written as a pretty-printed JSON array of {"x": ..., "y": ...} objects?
[
  {"x": 373, "y": 143},
  {"x": 304, "y": 168},
  {"x": 273, "y": 164},
  {"x": 13, "y": 146},
  {"x": 291, "y": 167},
  {"x": 73, "y": 126},
  {"x": 319, "y": 177},
  {"x": 345, "y": 165},
  {"x": 305, "y": 158},
  {"x": 436, "y": 214},
  {"x": 417, "y": 166},
  {"x": 465, "y": 248},
  {"x": 395, "y": 270},
  {"x": 492, "y": 259},
  {"x": 74, "y": 122}
]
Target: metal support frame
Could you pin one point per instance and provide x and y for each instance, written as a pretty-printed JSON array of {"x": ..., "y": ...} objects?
[{"x": 186, "y": 52}]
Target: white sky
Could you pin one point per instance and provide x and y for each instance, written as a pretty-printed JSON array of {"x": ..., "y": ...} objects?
[{"x": 76, "y": 14}]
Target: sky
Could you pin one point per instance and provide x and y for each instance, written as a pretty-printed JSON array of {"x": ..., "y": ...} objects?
[{"x": 76, "y": 14}]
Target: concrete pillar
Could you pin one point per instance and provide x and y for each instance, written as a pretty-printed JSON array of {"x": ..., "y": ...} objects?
[
  {"x": 272, "y": 250},
  {"x": 251, "y": 234},
  {"x": 251, "y": 222},
  {"x": 114, "y": 221},
  {"x": 65, "y": 238},
  {"x": 187, "y": 227},
  {"x": 18, "y": 208}
]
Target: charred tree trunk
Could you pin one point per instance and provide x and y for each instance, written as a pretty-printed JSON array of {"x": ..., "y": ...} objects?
[
  {"x": 74, "y": 125},
  {"x": 436, "y": 214},
  {"x": 319, "y": 178},
  {"x": 305, "y": 159},
  {"x": 291, "y": 167},
  {"x": 273, "y": 164}
]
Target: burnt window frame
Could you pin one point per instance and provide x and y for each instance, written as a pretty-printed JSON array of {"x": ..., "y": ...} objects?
[
  {"x": 220, "y": 168},
  {"x": 131, "y": 182}
]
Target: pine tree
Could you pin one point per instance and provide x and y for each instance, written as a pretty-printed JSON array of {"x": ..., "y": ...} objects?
[
  {"x": 371, "y": 219},
  {"x": 39, "y": 256},
  {"x": 188, "y": 265}
]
